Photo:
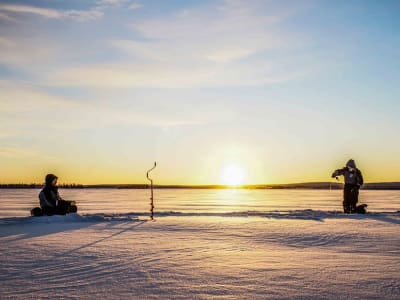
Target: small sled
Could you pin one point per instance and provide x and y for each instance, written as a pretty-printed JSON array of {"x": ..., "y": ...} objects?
[
  {"x": 36, "y": 212},
  {"x": 66, "y": 207},
  {"x": 361, "y": 209}
]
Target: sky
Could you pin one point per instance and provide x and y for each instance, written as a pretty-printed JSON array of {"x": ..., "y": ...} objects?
[{"x": 95, "y": 91}]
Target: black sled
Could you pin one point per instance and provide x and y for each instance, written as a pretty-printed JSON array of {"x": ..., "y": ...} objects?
[
  {"x": 63, "y": 208},
  {"x": 361, "y": 209}
]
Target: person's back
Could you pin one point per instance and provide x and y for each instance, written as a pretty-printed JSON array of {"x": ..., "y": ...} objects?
[{"x": 49, "y": 196}]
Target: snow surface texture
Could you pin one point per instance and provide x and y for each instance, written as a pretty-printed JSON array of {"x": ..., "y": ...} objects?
[{"x": 252, "y": 254}]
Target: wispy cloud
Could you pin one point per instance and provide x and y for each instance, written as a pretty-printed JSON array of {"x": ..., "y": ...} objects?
[
  {"x": 135, "y": 6},
  {"x": 228, "y": 33},
  {"x": 83, "y": 15},
  {"x": 227, "y": 43},
  {"x": 80, "y": 15},
  {"x": 111, "y": 2},
  {"x": 6, "y": 42},
  {"x": 24, "y": 107},
  {"x": 28, "y": 53},
  {"x": 7, "y": 18},
  {"x": 8, "y": 12},
  {"x": 8, "y": 152},
  {"x": 221, "y": 45},
  {"x": 43, "y": 12},
  {"x": 168, "y": 76}
]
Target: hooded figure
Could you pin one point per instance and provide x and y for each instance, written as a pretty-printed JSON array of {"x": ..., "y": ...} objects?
[
  {"x": 353, "y": 180},
  {"x": 49, "y": 195},
  {"x": 50, "y": 201}
]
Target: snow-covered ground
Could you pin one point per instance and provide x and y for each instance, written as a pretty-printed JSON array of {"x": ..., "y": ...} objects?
[{"x": 213, "y": 252}]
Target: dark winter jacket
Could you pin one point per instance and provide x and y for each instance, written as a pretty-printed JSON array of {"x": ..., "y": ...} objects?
[
  {"x": 49, "y": 195},
  {"x": 351, "y": 174}
]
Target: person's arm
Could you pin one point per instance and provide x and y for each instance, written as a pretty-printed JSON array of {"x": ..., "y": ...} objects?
[
  {"x": 58, "y": 197},
  {"x": 338, "y": 172},
  {"x": 360, "y": 179},
  {"x": 53, "y": 198},
  {"x": 44, "y": 201}
]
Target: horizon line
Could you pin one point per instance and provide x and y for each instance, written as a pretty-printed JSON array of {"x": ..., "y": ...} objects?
[{"x": 197, "y": 185}]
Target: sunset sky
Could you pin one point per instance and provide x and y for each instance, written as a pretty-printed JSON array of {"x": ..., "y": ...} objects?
[{"x": 276, "y": 91}]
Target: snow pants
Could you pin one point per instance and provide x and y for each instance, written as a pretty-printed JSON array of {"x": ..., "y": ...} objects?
[
  {"x": 62, "y": 208},
  {"x": 350, "y": 198}
]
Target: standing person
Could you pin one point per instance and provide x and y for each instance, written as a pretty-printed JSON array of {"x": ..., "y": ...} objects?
[
  {"x": 353, "y": 180},
  {"x": 50, "y": 201}
]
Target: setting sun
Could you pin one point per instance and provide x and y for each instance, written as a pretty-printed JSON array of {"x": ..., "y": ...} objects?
[{"x": 233, "y": 175}]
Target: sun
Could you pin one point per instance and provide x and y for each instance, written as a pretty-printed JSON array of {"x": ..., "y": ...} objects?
[{"x": 233, "y": 175}]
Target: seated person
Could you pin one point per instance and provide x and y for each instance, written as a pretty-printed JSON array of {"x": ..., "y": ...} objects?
[{"x": 50, "y": 201}]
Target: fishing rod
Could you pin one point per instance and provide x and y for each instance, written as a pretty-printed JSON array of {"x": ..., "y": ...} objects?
[{"x": 151, "y": 186}]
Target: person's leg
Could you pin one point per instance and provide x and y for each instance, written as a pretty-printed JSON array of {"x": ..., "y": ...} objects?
[
  {"x": 36, "y": 212},
  {"x": 49, "y": 211},
  {"x": 346, "y": 199},
  {"x": 62, "y": 207},
  {"x": 72, "y": 209},
  {"x": 354, "y": 199}
]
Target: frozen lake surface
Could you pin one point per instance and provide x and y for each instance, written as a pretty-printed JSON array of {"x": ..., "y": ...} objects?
[
  {"x": 204, "y": 244},
  {"x": 14, "y": 202}
]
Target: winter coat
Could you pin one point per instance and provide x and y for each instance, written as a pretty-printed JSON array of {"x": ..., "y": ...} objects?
[
  {"x": 49, "y": 195},
  {"x": 351, "y": 174}
]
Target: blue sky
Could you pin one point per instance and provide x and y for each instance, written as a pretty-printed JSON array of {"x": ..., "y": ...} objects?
[{"x": 95, "y": 91}]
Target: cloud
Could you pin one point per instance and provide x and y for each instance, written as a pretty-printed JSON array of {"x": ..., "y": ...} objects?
[
  {"x": 6, "y": 42},
  {"x": 21, "y": 153},
  {"x": 226, "y": 34},
  {"x": 222, "y": 33},
  {"x": 80, "y": 15},
  {"x": 28, "y": 53},
  {"x": 83, "y": 15},
  {"x": 118, "y": 3},
  {"x": 223, "y": 45},
  {"x": 26, "y": 109},
  {"x": 135, "y": 6},
  {"x": 24, "y": 98},
  {"x": 168, "y": 76},
  {"x": 111, "y": 2},
  {"x": 7, "y": 18},
  {"x": 228, "y": 55},
  {"x": 228, "y": 44},
  {"x": 9, "y": 152},
  {"x": 43, "y": 12}
]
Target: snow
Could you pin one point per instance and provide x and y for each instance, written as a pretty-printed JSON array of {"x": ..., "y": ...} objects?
[{"x": 197, "y": 254}]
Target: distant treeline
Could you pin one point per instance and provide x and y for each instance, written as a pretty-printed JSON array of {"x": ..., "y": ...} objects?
[
  {"x": 307, "y": 185},
  {"x": 38, "y": 186}
]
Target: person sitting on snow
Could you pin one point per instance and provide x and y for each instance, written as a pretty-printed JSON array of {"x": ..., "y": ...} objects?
[
  {"x": 50, "y": 201},
  {"x": 353, "y": 180}
]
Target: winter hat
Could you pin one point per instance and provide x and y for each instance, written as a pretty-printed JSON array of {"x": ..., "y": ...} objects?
[
  {"x": 50, "y": 178},
  {"x": 351, "y": 164}
]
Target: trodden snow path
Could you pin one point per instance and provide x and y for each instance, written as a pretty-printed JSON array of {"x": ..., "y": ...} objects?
[{"x": 309, "y": 255}]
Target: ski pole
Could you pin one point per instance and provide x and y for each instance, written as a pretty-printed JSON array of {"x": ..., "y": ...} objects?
[{"x": 151, "y": 197}]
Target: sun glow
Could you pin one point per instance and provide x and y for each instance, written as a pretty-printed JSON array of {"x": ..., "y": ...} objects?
[{"x": 233, "y": 175}]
